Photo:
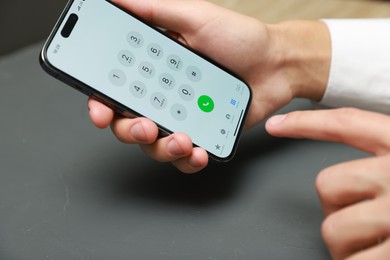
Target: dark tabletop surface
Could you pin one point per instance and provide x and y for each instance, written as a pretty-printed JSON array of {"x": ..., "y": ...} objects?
[{"x": 71, "y": 191}]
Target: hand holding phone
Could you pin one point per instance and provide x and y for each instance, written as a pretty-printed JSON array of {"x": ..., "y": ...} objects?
[{"x": 139, "y": 71}]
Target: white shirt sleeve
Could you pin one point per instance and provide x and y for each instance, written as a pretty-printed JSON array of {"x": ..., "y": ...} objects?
[{"x": 360, "y": 66}]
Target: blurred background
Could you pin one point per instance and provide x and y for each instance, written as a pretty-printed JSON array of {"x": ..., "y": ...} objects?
[{"x": 26, "y": 22}]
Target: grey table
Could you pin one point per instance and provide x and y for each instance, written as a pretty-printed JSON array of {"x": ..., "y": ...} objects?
[{"x": 71, "y": 191}]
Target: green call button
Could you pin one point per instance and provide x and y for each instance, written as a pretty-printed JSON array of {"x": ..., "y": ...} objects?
[{"x": 205, "y": 103}]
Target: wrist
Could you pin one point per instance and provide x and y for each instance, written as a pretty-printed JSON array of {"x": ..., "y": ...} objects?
[{"x": 303, "y": 55}]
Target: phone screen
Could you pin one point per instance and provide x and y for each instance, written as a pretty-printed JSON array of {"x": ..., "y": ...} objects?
[{"x": 135, "y": 67}]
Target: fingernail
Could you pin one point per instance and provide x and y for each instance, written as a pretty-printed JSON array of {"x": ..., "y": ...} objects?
[
  {"x": 275, "y": 120},
  {"x": 137, "y": 131},
  {"x": 174, "y": 148}
]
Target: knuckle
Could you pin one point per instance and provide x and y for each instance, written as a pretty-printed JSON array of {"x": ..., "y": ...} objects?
[
  {"x": 346, "y": 113},
  {"x": 341, "y": 116},
  {"x": 322, "y": 184},
  {"x": 384, "y": 163},
  {"x": 328, "y": 231}
]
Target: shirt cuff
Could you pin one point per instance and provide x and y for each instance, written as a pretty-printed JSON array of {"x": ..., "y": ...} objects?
[{"x": 360, "y": 67}]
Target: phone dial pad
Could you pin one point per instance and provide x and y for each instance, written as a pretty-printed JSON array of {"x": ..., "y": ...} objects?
[{"x": 148, "y": 71}]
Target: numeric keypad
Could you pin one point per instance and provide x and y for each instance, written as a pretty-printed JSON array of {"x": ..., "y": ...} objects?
[{"x": 144, "y": 81}]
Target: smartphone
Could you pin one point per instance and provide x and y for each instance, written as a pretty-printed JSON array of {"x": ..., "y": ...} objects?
[{"x": 111, "y": 54}]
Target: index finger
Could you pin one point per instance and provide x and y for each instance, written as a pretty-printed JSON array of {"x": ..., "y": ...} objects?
[{"x": 367, "y": 131}]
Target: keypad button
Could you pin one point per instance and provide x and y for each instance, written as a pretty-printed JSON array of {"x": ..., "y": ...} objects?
[
  {"x": 186, "y": 92},
  {"x": 174, "y": 62},
  {"x": 194, "y": 73},
  {"x": 117, "y": 77},
  {"x": 155, "y": 51},
  {"x": 166, "y": 81},
  {"x": 138, "y": 89},
  {"x": 158, "y": 100},
  {"x": 179, "y": 112},
  {"x": 126, "y": 58},
  {"x": 146, "y": 69},
  {"x": 135, "y": 39}
]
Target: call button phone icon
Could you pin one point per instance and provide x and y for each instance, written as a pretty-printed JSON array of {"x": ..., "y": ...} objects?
[{"x": 206, "y": 103}]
